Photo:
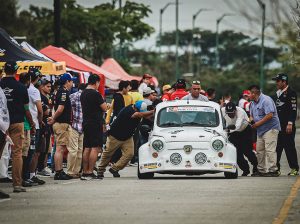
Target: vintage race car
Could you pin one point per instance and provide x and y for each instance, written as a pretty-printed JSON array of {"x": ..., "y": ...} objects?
[{"x": 188, "y": 138}]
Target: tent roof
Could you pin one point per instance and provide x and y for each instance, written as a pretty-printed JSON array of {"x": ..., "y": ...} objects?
[
  {"x": 114, "y": 67},
  {"x": 75, "y": 62},
  {"x": 26, "y": 46},
  {"x": 10, "y": 50}
]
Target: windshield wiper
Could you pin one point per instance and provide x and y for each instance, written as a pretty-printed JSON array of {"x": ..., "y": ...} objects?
[
  {"x": 171, "y": 124},
  {"x": 192, "y": 124}
]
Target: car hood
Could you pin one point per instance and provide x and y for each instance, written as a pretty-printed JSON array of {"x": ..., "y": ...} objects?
[{"x": 189, "y": 134}]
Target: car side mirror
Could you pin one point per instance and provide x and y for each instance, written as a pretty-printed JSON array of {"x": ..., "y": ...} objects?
[{"x": 231, "y": 127}]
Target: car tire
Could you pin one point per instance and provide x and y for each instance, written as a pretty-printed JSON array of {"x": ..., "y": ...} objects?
[
  {"x": 144, "y": 175},
  {"x": 229, "y": 175}
]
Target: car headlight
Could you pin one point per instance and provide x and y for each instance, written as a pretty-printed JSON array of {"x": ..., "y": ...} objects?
[
  {"x": 217, "y": 145},
  {"x": 158, "y": 145},
  {"x": 175, "y": 158},
  {"x": 200, "y": 158}
]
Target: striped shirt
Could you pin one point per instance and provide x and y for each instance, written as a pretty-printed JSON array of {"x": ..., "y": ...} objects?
[{"x": 76, "y": 111}]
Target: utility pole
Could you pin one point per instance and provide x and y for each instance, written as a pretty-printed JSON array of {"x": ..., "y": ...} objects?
[
  {"x": 193, "y": 42},
  {"x": 177, "y": 43},
  {"x": 217, "y": 39},
  {"x": 121, "y": 39},
  {"x": 262, "y": 53},
  {"x": 160, "y": 23},
  {"x": 57, "y": 9}
]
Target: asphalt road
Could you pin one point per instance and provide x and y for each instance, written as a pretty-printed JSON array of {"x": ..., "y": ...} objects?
[{"x": 165, "y": 199}]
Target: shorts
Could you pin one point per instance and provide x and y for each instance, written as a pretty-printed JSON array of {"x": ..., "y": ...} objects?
[
  {"x": 61, "y": 133},
  {"x": 26, "y": 143},
  {"x": 93, "y": 135}
]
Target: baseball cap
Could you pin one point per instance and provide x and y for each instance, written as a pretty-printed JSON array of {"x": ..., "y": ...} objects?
[
  {"x": 34, "y": 73},
  {"x": 67, "y": 77},
  {"x": 11, "y": 67},
  {"x": 148, "y": 91},
  {"x": 166, "y": 87},
  {"x": 180, "y": 84},
  {"x": 141, "y": 106},
  {"x": 230, "y": 108},
  {"x": 147, "y": 76},
  {"x": 246, "y": 93},
  {"x": 281, "y": 76}
]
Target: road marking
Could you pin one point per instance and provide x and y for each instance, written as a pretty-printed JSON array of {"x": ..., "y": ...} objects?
[
  {"x": 6, "y": 199},
  {"x": 284, "y": 211},
  {"x": 71, "y": 182}
]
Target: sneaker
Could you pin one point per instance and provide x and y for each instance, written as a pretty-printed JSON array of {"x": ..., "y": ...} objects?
[
  {"x": 86, "y": 177},
  {"x": 37, "y": 180},
  {"x": 3, "y": 195},
  {"x": 44, "y": 173},
  {"x": 32, "y": 182},
  {"x": 18, "y": 189},
  {"x": 258, "y": 174},
  {"x": 245, "y": 173},
  {"x": 100, "y": 175},
  {"x": 293, "y": 172},
  {"x": 26, "y": 183},
  {"x": 114, "y": 173},
  {"x": 62, "y": 176},
  {"x": 6, "y": 180},
  {"x": 96, "y": 177},
  {"x": 133, "y": 164},
  {"x": 272, "y": 174}
]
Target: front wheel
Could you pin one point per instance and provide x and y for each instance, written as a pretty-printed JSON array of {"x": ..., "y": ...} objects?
[{"x": 231, "y": 175}]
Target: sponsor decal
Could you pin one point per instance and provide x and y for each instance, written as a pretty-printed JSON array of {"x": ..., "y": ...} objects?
[
  {"x": 226, "y": 165},
  {"x": 188, "y": 148},
  {"x": 150, "y": 166},
  {"x": 190, "y": 109},
  {"x": 2, "y": 52}
]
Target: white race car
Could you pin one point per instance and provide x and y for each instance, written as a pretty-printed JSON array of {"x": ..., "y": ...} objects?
[{"x": 188, "y": 138}]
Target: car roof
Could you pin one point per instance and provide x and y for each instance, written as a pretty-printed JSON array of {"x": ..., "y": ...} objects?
[{"x": 187, "y": 103}]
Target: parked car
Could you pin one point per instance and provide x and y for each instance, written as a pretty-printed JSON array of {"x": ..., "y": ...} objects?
[{"x": 188, "y": 138}]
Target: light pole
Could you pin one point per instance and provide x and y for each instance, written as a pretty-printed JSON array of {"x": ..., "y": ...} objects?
[
  {"x": 262, "y": 53},
  {"x": 217, "y": 37},
  {"x": 193, "y": 31},
  {"x": 160, "y": 22},
  {"x": 177, "y": 43}
]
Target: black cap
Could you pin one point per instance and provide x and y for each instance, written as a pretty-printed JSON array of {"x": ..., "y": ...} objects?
[
  {"x": 281, "y": 76},
  {"x": 230, "y": 108},
  {"x": 180, "y": 84},
  {"x": 10, "y": 67},
  {"x": 34, "y": 73}
]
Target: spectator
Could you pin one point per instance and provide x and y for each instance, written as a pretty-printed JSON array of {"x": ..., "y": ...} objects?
[
  {"x": 145, "y": 82},
  {"x": 17, "y": 103},
  {"x": 240, "y": 137},
  {"x": 244, "y": 101},
  {"x": 61, "y": 120},
  {"x": 211, "y": 94},
  {"x": 286, "y": 104},
  {"x": 120, "y": 135},
  {"x": 264, "y": 117},
  {"x": 180, "y": 90},
  {"x": 148, "y": 95},
  {"x": 134, "y": 93},
  {"x": 36, "y": 110},
  {"x": 75, "y": 146},
  {"x": 195, "y": 93},
  {"x": 166, "y": 92},
  {"x": 93, "y": 107}
]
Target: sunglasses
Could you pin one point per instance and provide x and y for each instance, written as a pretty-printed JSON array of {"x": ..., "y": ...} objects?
[
  {"x": 196, "y": 89},
  {"x": 196, "y": 82}
]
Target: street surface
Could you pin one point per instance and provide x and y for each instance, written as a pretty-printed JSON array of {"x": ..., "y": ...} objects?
[{"x": 165, "y": 199}]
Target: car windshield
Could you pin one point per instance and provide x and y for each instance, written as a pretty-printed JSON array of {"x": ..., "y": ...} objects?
[{"x": 180, "y": 116}]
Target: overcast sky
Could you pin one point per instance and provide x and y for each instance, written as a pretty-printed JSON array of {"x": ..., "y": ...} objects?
[{"x": 205, "y": 20}]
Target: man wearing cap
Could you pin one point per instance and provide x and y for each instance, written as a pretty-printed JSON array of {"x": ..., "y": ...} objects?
[
  {"x": 17, "y": 103},
  {"x": 286, "y": 104},
  {"x": 145, "y": 82},
  {"x": 36, "y": 110},
  {"x": 120, "y": 136},
  {"x": 241, "y": 136},
  {"x": 180, "y": 90},
  {"x": 148, "y": 95},
  {"x": 195, "y": 93},
  {"x": 244, "y": 101},
  {"x": 264, "y": 118},
  {"x": 167, "y": 91},
  {"x": 61, "y": 121}
]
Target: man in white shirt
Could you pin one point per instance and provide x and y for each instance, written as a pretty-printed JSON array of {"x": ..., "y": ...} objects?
[
  {"x": 241, "y": 136},
  {"x": 36, "y": 110}
]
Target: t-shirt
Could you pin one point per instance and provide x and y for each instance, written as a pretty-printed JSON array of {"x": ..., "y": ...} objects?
[
  {"x": 178, "y": 94},
  {"x": 34, "y": 96},
  {"x": 123, "y": 127},
  {"x": 136, "y": 96},
  {"x": 17, "y": 96},
  {"x": 63, "y": 98},
  {"x": 200, "y": 98},
  {"x": 4, "y": 114},
  {"x": 45, "y": 106},
  {"x": 90, "y": 101},
  {"x": 142, "y": 87}
]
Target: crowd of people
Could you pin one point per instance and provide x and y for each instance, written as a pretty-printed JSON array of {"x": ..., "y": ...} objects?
[{"x": 39, "y": 118}]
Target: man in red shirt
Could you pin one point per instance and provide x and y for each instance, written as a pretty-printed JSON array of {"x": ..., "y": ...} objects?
[{"x": 180, "y": 90}]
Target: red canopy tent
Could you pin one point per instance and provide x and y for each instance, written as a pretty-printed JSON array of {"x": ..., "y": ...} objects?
[
  {"x": 75, "y": 62},
  {"x": 111, "y": 65}
]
